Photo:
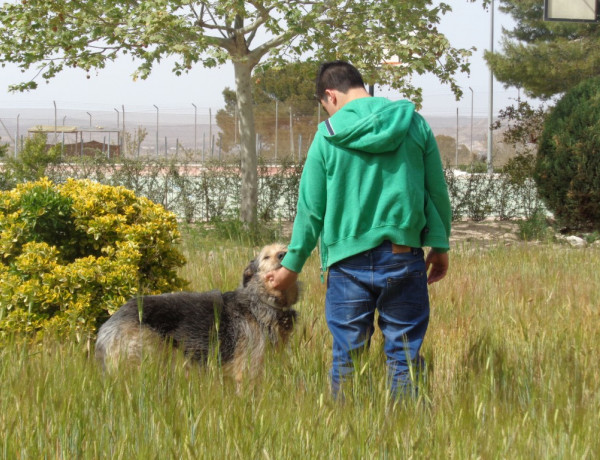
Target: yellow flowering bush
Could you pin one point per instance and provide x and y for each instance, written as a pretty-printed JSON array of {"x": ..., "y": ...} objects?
[{"x": 72, "y": 254}]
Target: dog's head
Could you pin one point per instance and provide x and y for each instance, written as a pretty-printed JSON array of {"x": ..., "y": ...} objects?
[{"x": 269, "y": 259}]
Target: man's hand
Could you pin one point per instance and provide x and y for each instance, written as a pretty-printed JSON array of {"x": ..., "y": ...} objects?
[
  {"x": 439, "y": 266},
  {"x": 281, "y": 279}
]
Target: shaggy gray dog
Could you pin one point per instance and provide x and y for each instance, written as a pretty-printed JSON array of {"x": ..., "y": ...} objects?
[{"x": 236, "y": 326}]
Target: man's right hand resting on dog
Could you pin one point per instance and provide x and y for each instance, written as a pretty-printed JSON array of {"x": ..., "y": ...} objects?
[{"x": 281, "y": 279}]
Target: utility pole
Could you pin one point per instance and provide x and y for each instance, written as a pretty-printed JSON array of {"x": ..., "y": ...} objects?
[
  {"x": 195, "y": 126},
  {"x": 456, "y": 159},
  {"x": 490, "y": 140},
  {"x": 17, "y": 138},
  {"x": 276, "y": 128},
  {"x": 90, "y": 115},
  {"x": 118, "y": 133},
  {"x": 55, "y": 122},
  {"x": 156, "y": 148},
  {"x": 318, "y": 113},
  {"x": 471, "y": 89},
  {"x": 210, "y": 139},
  {"x": 291, "y": 134},
  {"x": 123, "y": 134}
]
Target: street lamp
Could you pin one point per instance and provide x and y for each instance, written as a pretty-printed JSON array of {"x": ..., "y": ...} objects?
[
  {"x": 490, "y": 143},
  {"x": 55, "y": 123},
  {"x": 90, "y": 115},
  {"x": 118, "y": 130},
  {"x": 195, "y": 125},
  {"x": 17, "y": 138},
  {"x": 471, "y": 89},
  {"x": 456, "y": 144}
]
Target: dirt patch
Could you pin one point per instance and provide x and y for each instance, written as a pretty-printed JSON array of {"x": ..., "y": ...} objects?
[{"x": 486, "y": 232}]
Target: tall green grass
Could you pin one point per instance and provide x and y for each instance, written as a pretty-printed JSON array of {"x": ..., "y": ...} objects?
[{"x": 513, "y": 372}]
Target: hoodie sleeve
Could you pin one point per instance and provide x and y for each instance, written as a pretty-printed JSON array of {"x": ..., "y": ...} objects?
[
  {"x": 437, "y": 192},
  {"x": 312, "y": 199}
]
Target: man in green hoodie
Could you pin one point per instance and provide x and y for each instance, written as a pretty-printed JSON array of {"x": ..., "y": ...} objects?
[{"x": 373, "y": 190}]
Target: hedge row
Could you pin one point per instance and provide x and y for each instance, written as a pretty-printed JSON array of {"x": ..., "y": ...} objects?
[{"x": 211, "y": 192}]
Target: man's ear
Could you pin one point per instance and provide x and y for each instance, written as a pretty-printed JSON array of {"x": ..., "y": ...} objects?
[{"x": 331, "y": 96}]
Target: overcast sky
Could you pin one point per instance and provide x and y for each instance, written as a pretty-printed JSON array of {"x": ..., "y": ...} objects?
[{"x": 466, "y": 26}]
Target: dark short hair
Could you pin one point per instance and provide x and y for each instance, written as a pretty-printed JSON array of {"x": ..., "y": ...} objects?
[{"x": 338, "y": 75}]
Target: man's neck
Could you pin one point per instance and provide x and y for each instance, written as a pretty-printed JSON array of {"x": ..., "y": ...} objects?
[{"x": 353, "y": 93}]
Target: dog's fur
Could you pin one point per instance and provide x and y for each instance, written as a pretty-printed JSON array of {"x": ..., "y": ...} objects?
[{"x": 236, "y": 326}]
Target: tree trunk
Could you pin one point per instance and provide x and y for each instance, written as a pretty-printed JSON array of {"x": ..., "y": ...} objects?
[{"x": 249, "y": 163}]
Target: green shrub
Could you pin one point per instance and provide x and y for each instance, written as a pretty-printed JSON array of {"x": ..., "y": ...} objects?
[
  {"x": 535, "y": 228},
  {"x": 71, "y": 254},
  {"x": 568, "y": 163},
  {"x": 32, "y": 162},
  {"x": 3, "y": 149},
  {"x": 518, "y": 177}
]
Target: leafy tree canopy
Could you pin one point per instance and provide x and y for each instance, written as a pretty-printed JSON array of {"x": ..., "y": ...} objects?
[
  {"x": 294, "y": 82},
  {"x": 448, "y": 151},
  {"x": 544, "y": 57},
  {"x": 277, "y": 91},
  {"x": 51, "y": 35}
]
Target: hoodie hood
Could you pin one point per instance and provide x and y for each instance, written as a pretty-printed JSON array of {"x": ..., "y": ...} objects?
[{"x": 370, "y": 124}]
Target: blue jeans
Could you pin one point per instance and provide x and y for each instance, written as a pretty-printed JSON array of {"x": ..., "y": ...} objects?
[{"x": 395, "y": 285}]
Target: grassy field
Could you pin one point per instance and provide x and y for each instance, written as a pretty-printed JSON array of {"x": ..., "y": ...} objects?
[{"x": 513, "y": 372}]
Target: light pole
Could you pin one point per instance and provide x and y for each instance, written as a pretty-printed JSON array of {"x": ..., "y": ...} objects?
[
  {"x": 156, "y": 148},
  {"x": 456, "y": 159},
  {"x": 276, "y": 128},
  {"x": 17, "y": 138},
  {"x": 55, "y": 123},
  {"x": 123, "y": 130},
  {"x": 90, "y": 115},
  {"x": 490, "y": 143},
  {"x": 118, "y": 130},
  {"x": 471, "y": 89},
  {"x": 195, "y": 125}
]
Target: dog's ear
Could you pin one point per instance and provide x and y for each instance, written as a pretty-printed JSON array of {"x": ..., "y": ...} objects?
[{"x": 249, "y": 272}]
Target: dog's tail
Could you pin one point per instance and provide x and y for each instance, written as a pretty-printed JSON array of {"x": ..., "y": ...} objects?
[{"x": 120, "y": 336}]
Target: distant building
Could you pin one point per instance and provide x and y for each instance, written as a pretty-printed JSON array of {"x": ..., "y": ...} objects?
[{"x": 71, "y": 138}]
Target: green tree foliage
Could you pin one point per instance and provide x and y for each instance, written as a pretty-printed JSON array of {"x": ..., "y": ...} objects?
[
  {"x": 281, "y": 94},
  {"x": 447, "y": 147},
  {"x": 293, "y": 82},
  {"x": 523, "y": 125},
  {"x": 72, "y": 254},
  {"x": 53, "y": 35},
  {"x": 568, "y": 163},
  {"x": 542, "y": 57}
]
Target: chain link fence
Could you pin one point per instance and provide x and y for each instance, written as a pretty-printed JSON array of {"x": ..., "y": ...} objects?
[{"x": 282, "y": 130}]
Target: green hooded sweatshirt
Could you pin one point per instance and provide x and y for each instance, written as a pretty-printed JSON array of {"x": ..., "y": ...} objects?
[{"x": 373, "y": 173}]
